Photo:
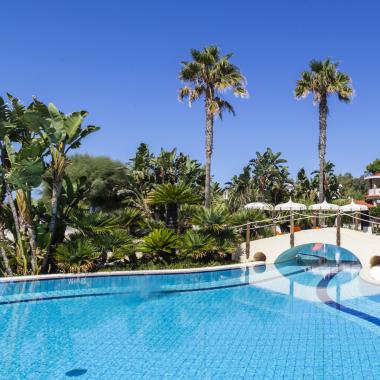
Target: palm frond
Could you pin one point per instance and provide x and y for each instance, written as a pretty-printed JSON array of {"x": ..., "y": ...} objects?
[
  {"x": 323, "y": 79},
  {"x": 170, "y": 193},
  {"x": 209, "y": 73}
]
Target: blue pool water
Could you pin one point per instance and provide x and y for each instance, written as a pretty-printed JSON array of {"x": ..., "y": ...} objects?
[{"x": 293, "y": 320}]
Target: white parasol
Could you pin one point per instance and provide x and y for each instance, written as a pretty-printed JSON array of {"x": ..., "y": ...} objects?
[
  {"x": 353, "y": 207},
  {"x": 324, "y": 206},
  {"x": 290, "y": 206},
  {"x": 259, "y": 206}
]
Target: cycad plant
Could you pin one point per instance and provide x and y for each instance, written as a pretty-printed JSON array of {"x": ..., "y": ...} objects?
[
  {"x": 216, "y": 223},
  {"x": 208, "y": 75},
  {"x": 76, "y": 256},
  {"x": 160, "y": 245},
  {"x": 323, "y": 80},
  {"x": 115, "y": 247},
  {"x": 108, "y": 232},
  {"x": 98, "y": 223},
  {"x": 196, "y": 245},
  {"x": 145, "y": 170},
  {"x": 172, "y": 196}
]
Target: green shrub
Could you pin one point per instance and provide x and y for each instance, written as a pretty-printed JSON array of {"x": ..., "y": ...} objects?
[
  {"x": 196, "y": 245},
  {"x": 215, "y": 223},
  {"x": 115, "y": 246},
  {"x": 375, "y": 211},
  {"x": 160, "y": 245},
  {"x": 76, "y": 256}
]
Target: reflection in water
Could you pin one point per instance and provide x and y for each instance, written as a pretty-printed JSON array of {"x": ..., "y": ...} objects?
[
  {"x": 260, "y": 268},
  {"x": 320, "y": 261},
  {"x": 317, "y": 252}
]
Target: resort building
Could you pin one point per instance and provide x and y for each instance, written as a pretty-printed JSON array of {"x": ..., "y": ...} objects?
[{"x": 373, "y": 195}]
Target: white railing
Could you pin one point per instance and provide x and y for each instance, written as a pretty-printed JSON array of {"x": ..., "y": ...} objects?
[{"x": 374, "y": 192}]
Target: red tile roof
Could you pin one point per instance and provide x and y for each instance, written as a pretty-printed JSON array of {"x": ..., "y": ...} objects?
[
  {"x": 364, "y": 203},
  {"x": 372, "y": 197}
]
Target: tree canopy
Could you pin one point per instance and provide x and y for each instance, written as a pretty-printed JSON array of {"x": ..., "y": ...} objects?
[
  {"x": 374, "y": 167},
  {"x": 103, "y": 176}
]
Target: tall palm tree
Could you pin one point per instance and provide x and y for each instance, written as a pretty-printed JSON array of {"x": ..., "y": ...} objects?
[
  {"x": 209, "y": 74},
  {"x": 322, "y": 80}
]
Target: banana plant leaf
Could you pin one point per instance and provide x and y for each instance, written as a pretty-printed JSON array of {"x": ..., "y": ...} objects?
[{"x": 25, "y": 174}]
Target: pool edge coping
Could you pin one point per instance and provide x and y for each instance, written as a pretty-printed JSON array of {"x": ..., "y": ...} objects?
[
  {"x": 365, "y": 275},
  {"x": 57, "y": 276}
]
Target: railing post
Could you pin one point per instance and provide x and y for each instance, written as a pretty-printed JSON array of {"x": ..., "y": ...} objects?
[
  {"x": 248, "y": 240},
  {"x": 291, "y": 229},
  {"x": 338, "y": 224}
]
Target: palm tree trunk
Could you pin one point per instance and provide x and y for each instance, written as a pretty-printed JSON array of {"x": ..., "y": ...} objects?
[
  {"x": 33, "y": 247},
  {"x": 9, "y": 195},
  {"x": 172, "y": 216},
  {"x": 32, "y": 236},
  {"x": 56, "y": 193},
  {"x": 15, "y": 217},
  {"x": 209, "y": 148},
  {"x": 24, "y": 207},
  {"x": 4, "y": 257},
  {"x": 323, "y": 110}
]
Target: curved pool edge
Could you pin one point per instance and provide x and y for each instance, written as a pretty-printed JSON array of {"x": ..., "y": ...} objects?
[
  {"x": 365, "y": 275},
  {"x": 57, "y": 276}
]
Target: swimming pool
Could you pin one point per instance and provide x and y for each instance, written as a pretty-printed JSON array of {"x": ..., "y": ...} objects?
[{"x": 295, "y": 319}]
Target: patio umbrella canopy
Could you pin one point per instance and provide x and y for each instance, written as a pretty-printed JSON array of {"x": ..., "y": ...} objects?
[
  {"x": 259, "y": 206},
  {"x": 324, "y": 206},
  {"x": 290, "y": 206},
  {"x": 353, "y": 207}
]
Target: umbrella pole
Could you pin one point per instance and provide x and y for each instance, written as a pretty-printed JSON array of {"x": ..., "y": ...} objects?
[
  {"x": 248, "y": 240},
  {"x": 291, "y": 229},
  {"x": 356, "y": 221},
  {"x": 338, "y": 223},
  {"x": 274, "y": 222}
]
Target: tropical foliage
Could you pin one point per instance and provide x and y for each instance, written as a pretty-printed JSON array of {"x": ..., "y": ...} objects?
[
  {"x": 375, "y": 211},
  {"x": 330, "y": 181},
  {"x": 172, "y": 195},
  {"x": 265, "y": 179},
  {"x": 197, "y": 245},
  {"x": 76, "y": 256},
  {"x": 102, "y": 176},
  {"x": 373, "y": 167},
  {"x": 35, "y": 142},
  {"x": 67, "y": 212},
  {"x": 160, "y": 244}
]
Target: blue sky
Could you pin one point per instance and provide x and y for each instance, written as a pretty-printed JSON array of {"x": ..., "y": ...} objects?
[{"x": 120, "y": 60}]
